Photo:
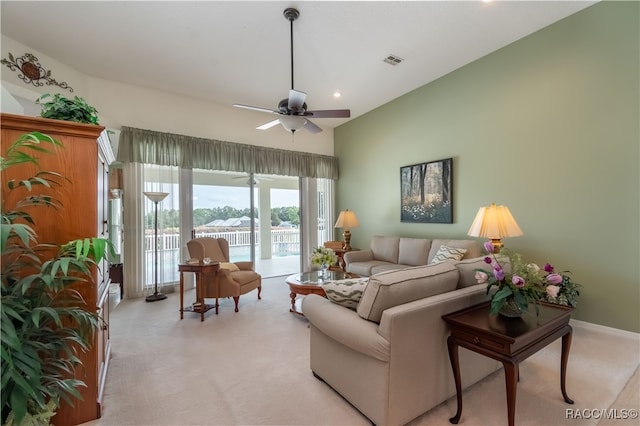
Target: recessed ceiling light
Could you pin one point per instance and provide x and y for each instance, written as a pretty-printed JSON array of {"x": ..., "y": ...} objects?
[{"x": 337, "y": 94}]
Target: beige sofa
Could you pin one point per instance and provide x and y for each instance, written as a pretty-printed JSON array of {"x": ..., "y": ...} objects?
[
  {"x": 389, "y": 357},
  {"x": 387, "y": 253}
]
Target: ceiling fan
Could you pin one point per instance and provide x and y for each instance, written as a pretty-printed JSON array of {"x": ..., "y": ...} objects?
[
  {"x": 293, "y": 110},
  {"x": 256, "y": 178}
]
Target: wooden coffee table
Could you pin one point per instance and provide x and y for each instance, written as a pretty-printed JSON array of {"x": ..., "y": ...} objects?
[
  {"x": 510, "y": 341},
  {"x": 304, "y": 283}
]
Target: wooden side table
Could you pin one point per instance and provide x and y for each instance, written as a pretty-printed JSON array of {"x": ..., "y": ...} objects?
[
  {"x": 199, "y": 269},
  {"x": 508, "y": 340},
  {"x": 340, "y": 253}
]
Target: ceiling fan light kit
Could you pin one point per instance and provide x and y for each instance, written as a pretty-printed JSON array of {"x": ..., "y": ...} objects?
[
  {"x": 292, "y": 122},
  {"x": 293, "y": 110}
]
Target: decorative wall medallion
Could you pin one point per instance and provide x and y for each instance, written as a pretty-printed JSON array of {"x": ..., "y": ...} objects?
[{"x": 32, "y": 71}]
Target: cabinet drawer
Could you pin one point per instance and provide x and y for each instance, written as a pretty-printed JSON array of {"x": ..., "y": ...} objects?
[{"x": 483, "y": 341}]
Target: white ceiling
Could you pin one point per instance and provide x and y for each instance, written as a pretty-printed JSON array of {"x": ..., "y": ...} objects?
[{"x": 230, "y": 52}]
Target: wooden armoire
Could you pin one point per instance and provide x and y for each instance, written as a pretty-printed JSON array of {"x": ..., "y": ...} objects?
[{"x": 84, "y": 160}]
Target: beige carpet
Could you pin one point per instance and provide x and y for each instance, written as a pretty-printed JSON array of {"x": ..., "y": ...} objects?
[{"x": 252, "y": 368}]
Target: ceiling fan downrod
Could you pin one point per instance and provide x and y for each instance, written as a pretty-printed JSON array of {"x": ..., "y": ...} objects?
[{"x": 291, "y": 14}]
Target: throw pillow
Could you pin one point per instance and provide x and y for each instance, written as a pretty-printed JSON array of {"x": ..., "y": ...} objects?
[
  {"x": 445, "y": 253},
  {"x": 347, "y": 292},
  {"x": 229, "y": 266}
]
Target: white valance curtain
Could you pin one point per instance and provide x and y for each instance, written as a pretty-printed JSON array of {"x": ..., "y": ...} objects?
[{"x": 188, "y": 152}]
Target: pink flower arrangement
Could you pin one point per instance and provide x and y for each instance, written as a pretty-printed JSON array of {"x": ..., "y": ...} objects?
[
  {"x": 560, "y": 288},
  {"x": 523, "y": 283}
]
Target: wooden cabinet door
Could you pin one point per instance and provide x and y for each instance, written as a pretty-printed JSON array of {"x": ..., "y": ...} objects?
[{"x": 82, "y": 197}]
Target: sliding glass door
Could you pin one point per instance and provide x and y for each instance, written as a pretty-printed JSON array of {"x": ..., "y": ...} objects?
[
  {"x": 258, "y": 215},
  {"x": 280, "y": 248},
  {"x": 222, "y": 209},
  {"x": 167, "y": 242}
]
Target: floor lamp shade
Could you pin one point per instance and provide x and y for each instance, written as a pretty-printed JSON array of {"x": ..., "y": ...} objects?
[
  {"x": 347, "y": 219},
  {"x": 156, "y": 197},
  {"x": 494, "y": 222}
]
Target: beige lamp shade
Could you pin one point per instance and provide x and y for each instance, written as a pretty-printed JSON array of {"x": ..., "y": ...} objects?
[
  {"x": 494, "y": 222},
  {"x": 347, "y": 219}
]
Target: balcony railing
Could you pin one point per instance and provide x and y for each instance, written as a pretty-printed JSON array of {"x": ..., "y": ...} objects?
[{"x": 284, "y": 242}]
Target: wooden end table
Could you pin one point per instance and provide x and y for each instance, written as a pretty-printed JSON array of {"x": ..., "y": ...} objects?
[
  {"x": 199, "y": 269},
  {"x": 508, "y": 340},
  {"x": 305, "y": 283},
  {"x": 340, "y": 253}
]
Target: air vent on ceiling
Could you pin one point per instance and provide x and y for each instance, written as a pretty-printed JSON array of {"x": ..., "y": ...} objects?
[{"x": 393, "y": 60}]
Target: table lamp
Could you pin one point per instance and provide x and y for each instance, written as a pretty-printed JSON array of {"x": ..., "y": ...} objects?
[
  {"x": 347, "y": 219},
  {"x": 494, "y": 222}
]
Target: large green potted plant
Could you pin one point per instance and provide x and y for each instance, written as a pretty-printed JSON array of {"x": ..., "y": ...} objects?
[{"x": 45, "y": 320}]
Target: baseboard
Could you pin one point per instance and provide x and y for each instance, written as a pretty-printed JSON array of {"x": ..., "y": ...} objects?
[{"x": 604, "y": 329}]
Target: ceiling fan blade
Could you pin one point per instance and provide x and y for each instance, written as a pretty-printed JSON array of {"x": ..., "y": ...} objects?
[
  {"x": 253, "y": 108},
  {"x": 329, "y": 113},
  {"x": 296, "y": 100},
  {"x": 256, "y": 178},
  {"x": 269, "y": 125},
  {"x": 311, "y": 127}
]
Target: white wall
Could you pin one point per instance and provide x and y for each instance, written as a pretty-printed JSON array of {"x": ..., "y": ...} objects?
[
  {"x": 134, "y": 106},
  {"x": 9, "y": 103}
]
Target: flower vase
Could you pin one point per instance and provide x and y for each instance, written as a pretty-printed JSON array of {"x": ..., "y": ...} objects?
[
  {"x": 323, "y": 269},
  {"x": 510, "y": 308}
]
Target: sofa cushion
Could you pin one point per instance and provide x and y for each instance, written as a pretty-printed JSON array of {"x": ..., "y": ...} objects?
[
  {"x": 386, "y": 266},
  {"x": 474, "y": 248},
  {"x": 364, "y": 268},
  {"x": 385, "y": 248},
  {"x": 445, "y": 253},
  {"x": 389, "y": 289},
  {"x": 413, "y": 251},
  {"x": 347, "y": 292}
]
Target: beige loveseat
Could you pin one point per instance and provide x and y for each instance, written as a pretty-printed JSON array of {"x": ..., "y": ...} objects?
[
  {"x": 387, "y": 253},
  {"x": 389, "y": 357}
]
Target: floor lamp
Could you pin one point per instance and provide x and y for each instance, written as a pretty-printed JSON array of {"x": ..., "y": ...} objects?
[{"x": 156, "y": 197}]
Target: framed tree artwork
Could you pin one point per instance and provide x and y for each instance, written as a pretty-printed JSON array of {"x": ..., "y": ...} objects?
[{"x": 426, "y": 192}]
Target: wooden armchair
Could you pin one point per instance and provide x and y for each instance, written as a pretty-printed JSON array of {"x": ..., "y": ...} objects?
[{"x": 234, "y": 278}]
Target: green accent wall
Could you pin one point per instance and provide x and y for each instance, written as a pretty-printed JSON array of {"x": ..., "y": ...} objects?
[{"x": 548, "y": 126}]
